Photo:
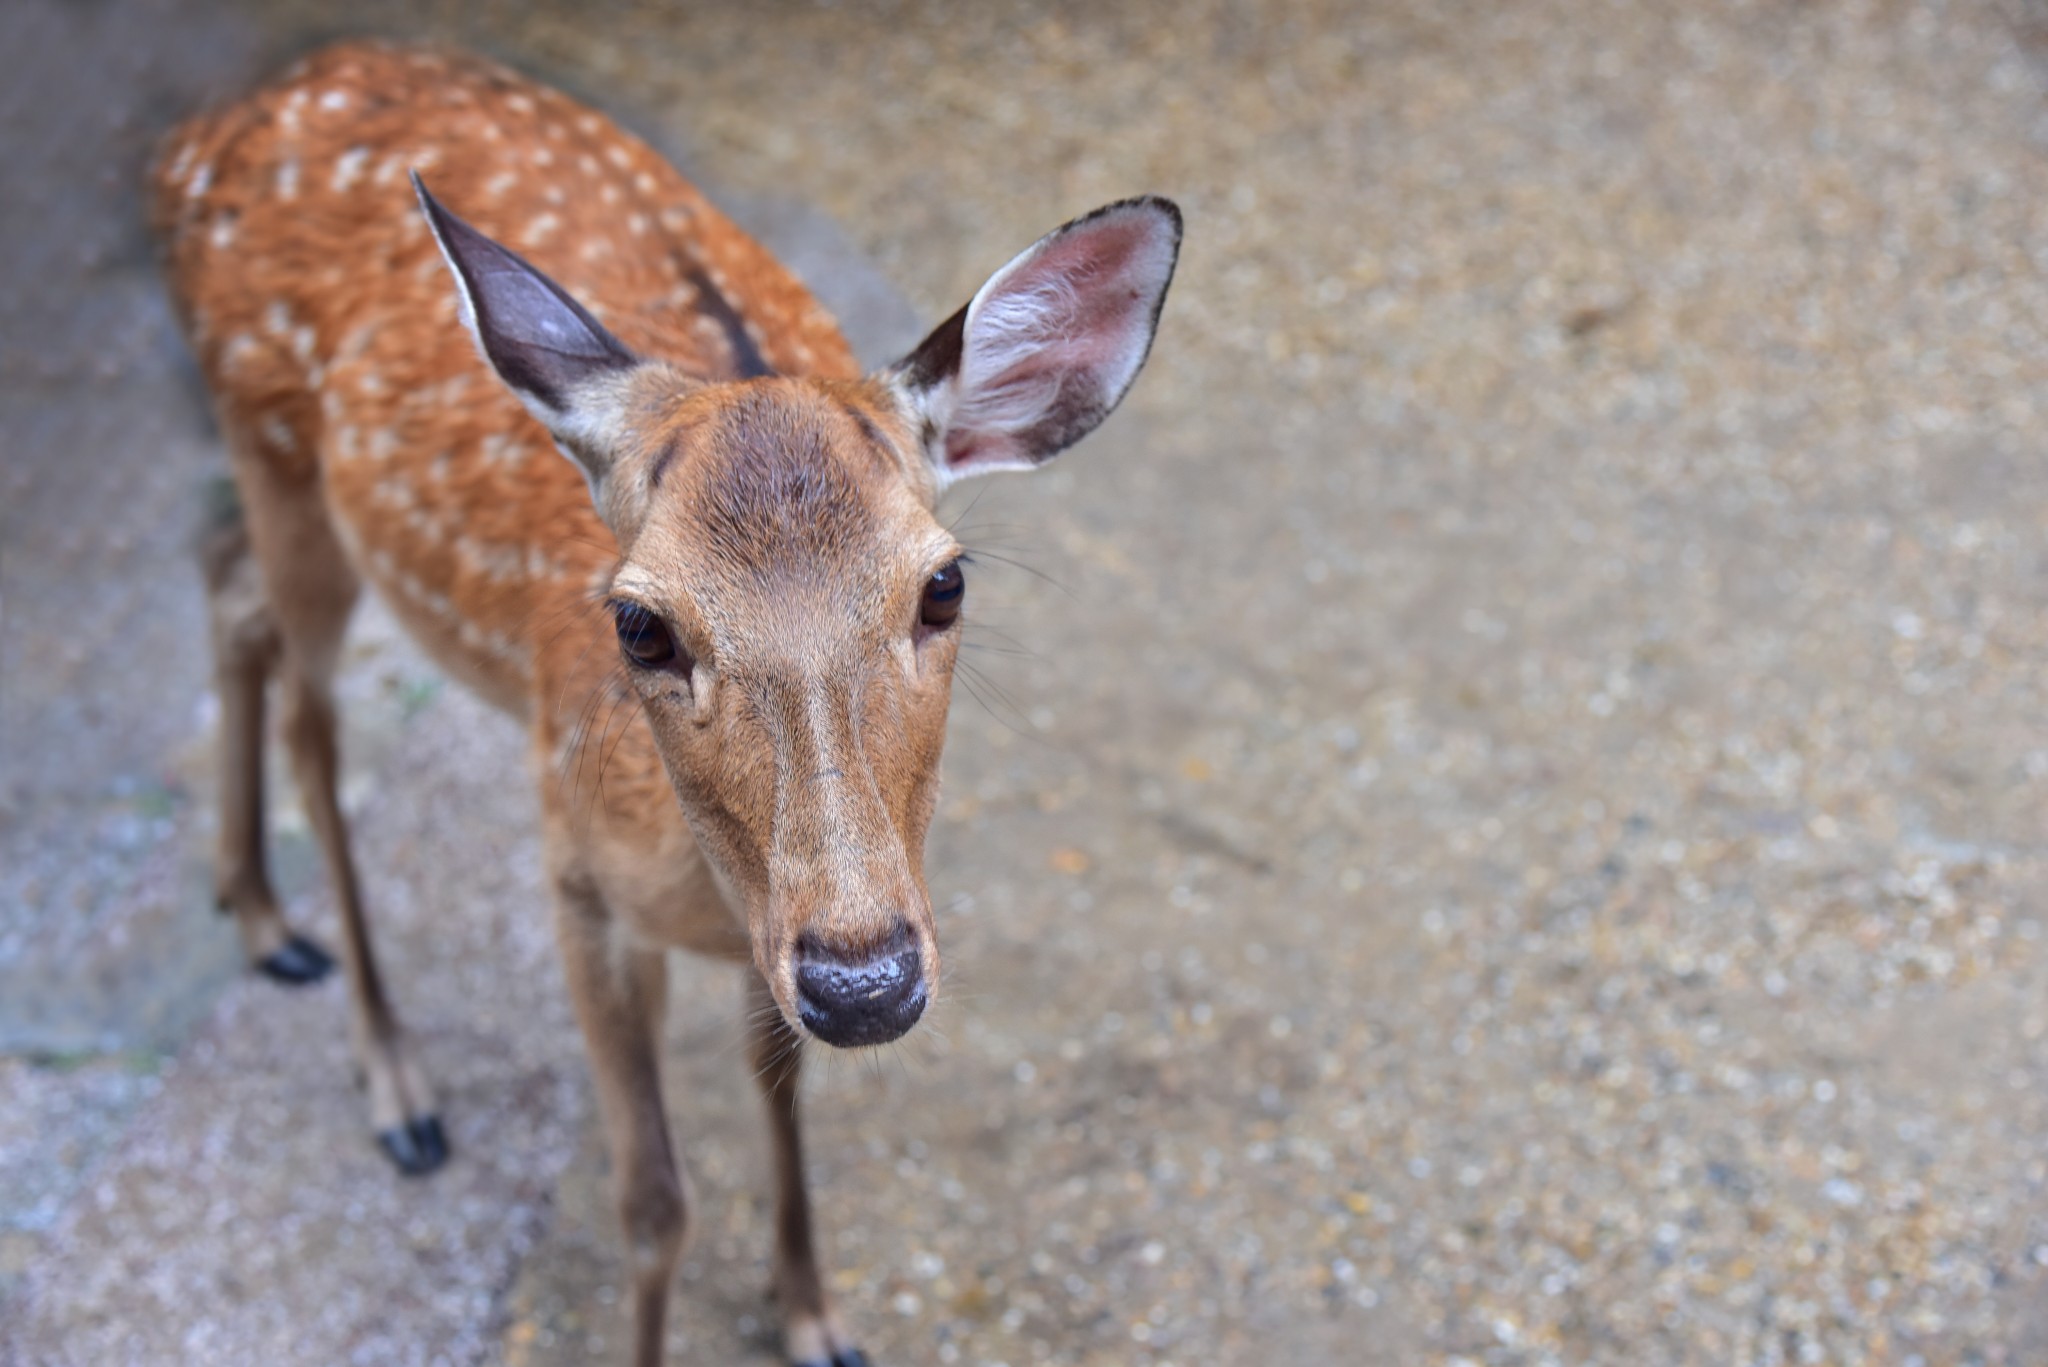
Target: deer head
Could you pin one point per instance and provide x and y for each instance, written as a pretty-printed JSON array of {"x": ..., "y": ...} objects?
[{"x": 787, "y": 605}]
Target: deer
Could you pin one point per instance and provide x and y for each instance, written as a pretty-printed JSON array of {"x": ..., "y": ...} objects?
[{"x": 652, "y": 478}]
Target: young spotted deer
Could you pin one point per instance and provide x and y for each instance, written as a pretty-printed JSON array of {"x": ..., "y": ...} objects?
[{"x": 740, "y": 541}]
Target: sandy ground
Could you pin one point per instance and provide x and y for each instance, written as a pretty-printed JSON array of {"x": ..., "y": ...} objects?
[{"x": 1510, "y": 830}]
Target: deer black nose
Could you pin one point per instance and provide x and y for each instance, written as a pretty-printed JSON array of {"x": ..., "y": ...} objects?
[{"x": 854, "y": 998}]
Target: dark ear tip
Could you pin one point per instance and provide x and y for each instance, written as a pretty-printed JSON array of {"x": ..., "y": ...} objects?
[
  {"x": 428, "y": 204},
  {"x": 1173, "y": 215},
  {"x": 1158, "y": 205},
  {"x": 1162, "y": 204}
]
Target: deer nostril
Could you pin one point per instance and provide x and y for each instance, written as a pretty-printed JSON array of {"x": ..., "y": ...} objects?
[{"x": 853, "y": 998}]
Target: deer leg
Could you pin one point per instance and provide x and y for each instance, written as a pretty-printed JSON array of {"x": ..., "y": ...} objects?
[
  {"x": 620, "y": 991},
  {"x": 401, "y": 1102},
  {"x": 310, "y": 591},
  {"x": 245, "y": 653},
  {"x": 811, "y": 1333}
]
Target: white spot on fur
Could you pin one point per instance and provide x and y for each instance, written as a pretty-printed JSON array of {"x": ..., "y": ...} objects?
[
  {"x": 543, "y": 157},
  {"x": 499, "y": 449},
  {"x": 201, "y": 179},
  {"x": 587, "y": 164},
  {"x": 222, "y": 235},
  {"x": 637, "y": 224},
  {"x": 334, "y": 100},
  {"x": 497, "y": 185},
  {"x": 277, "y": 434},
  {"x": 541, "y": 228},
  {"x": 519, "y": 103},
  {"x": 349, "y": 167},
  {"x": 303, "y": 339},
  {"x": 277, "y": 319},
  {"x": 288, "y": 178},
  {"x": 616, "y": 155},
  {"x": 644, "y": 183},
  {"x": 588, "y": 123},
  {"x": 496, "y": 562},
  {"x": 238, "y": 351},
  {"x": 356, "y": 343}
]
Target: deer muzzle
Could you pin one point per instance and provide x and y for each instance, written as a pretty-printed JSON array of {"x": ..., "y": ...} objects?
[{"x": 853, "y": 998}]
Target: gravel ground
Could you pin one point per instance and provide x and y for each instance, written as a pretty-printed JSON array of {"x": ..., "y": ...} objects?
[{"x": 1514, "y": 835}]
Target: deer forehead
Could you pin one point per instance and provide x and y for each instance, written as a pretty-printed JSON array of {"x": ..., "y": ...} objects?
[{"x": 787, "y": 493}]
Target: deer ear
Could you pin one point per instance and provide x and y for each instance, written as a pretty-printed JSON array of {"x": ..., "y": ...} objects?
[
  {"x": 1048, "y": 347},
  {"x": 560, "y": 362}
]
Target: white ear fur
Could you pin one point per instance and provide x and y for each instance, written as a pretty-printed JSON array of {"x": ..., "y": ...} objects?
[{"x": 1049, "y": 346}]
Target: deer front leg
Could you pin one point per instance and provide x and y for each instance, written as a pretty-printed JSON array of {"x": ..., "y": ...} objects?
[
  {"x": 811, "y": 1333},
  {"x": 620, "y": 990}
]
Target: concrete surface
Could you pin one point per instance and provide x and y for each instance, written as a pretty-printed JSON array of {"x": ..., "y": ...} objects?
[{"x": 1514, "y": 836}]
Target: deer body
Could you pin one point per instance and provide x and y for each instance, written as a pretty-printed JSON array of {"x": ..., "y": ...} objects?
[{"x": 727, "y": 618}]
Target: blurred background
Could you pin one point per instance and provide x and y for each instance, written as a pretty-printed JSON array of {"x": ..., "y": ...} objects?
[{"x": 1500, "y": 814}]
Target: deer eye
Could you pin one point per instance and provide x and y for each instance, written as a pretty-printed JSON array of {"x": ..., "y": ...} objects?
[
  {"x": 643, "y": 637},
  {"x": 943, "y": 594}
]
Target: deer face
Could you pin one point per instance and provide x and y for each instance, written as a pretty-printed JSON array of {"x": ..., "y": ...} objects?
[
  {"x": 787, "y": 606},
  {"x": 788, "y": 610}
]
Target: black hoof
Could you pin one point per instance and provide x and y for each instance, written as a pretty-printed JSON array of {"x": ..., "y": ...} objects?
[
  {"x": 417, "y": 1146},
  {"x": 849, "y": 1357},
  {"x": 297, "y": 962}
]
